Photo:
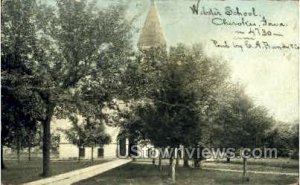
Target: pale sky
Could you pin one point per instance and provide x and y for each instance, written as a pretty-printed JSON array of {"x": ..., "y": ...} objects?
[{"x": 270, "y": 76}]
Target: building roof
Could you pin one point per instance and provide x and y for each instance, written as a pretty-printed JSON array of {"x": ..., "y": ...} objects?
[{"x": 152, "y": 34}]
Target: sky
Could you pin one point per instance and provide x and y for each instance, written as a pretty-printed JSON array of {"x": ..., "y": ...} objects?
[{"x": 270, "y": 76}]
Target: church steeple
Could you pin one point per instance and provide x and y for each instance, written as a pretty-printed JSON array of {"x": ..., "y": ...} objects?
[{"x": 152, "y": 35}]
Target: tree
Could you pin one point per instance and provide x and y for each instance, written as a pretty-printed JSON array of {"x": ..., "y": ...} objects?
[
  {"x": 131, "y": 127},
  {"x": 95, "y": 134},
  {"x": 76, "y": 44},
  {"x": 223, "y": 130},
  {"x": 89, "y": 133},
  {"x": 284, "y": 137},
  {"x": 75, "y": 134},
  {"x": 236, "y": 121},
  {"x": 32, "y": 139},
  {"x": 140, "y": 83},
  {"x": 244, "y": 124},
  {"x": 176, "y": 92},
  {"x": 55, "y": 140},
  {"x": 202, "y": 77},
  {"x": 20, "y": 105},
  {"x": 63, "y": 49},
  {"x": 295, "y": 140}
]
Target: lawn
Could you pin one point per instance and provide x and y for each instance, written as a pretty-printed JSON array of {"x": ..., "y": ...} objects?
[
  {"x": 143, "y": 173},
  {"x": 26, "y": 171},
  {"x": 283, "y": 165}
]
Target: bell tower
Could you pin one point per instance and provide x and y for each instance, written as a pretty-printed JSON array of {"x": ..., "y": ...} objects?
[{"x": 152, "y": 35}]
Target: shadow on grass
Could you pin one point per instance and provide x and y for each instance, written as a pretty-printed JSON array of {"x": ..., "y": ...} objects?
[
  {"x": 145, "y": 174},
  {"x": 279, "y": 162},
  {"x": 26, "y": 171}
]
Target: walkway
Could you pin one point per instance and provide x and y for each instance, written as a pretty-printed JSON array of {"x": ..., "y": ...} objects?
[{"x": 81, "y": 174}]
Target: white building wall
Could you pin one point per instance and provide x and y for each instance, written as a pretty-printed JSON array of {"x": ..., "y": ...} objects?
[
  {"x": 88, "y": 154},
  {"x": 69, "y": 151},
  {"x": 110, "y": 151}
]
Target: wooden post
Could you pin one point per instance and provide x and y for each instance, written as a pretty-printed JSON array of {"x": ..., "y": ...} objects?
[
  {"x": 29, "y": 153},
  {"x": 244, "y": 168},
  {"x": 173, "y": 171},
  {"x": 159, "y": 162},
  {"x": 18, "y": 151}
]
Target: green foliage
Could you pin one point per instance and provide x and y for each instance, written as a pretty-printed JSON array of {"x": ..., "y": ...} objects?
[
  {"x": 55, "y": 140},
  {"x": 75, "y": 134},
  {"x": 59, "y": 61},
  {"x": 20, "y": 108},
  {"x": 284, "y": 137},
  {"x": 90, "y": 132},
  {"x": 81, "y": 60},
  {"x": 175, "y": 96},
  {"x": 240, "y": 123},
  {"x": 95, "y": 133}
]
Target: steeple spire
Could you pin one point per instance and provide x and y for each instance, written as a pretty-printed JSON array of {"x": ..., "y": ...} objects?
[{"x": 152, "y": 35}]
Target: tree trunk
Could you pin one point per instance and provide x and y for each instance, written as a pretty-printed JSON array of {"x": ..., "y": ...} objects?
[
  {"x": 244, "y": 168},
  {"x": 186, "y": 163},
  {"x": 171, "y": 161},
  {"x": 29, "y": 153},
  {"x": 159, "y": 162},
  {"x": 173, "y": 170},
  {"x": 196, "y": 163},
  {"x": 2, "y": 161},
  {"x": 185, "y": 158},
  {"x": 92, "y": 153},
  {"x": 78, "y": 154},
  {"x": 177, "y": 161},
  {"x": 18, "y": 151},
  {"x": 47, "y": 141}
]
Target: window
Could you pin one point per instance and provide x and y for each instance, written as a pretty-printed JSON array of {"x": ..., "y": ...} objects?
[
  {"x": 122, "y": 147},
  {"x": 81, "y": 152},
  {"x": 100, "y": 152}
]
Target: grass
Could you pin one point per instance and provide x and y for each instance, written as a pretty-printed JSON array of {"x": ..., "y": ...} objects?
[
  {"x": 26, "y": 171},
  {"x": 142, "y": 172},
  {"x": 283, "y": 165},
  {"x": 279, "y": 162},
  {"x": 137, "y": 173}
]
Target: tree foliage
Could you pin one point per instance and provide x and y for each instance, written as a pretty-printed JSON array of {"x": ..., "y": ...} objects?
[
  {"x": 87, "y": 133},
  {"x": 66, "y": 57}
]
